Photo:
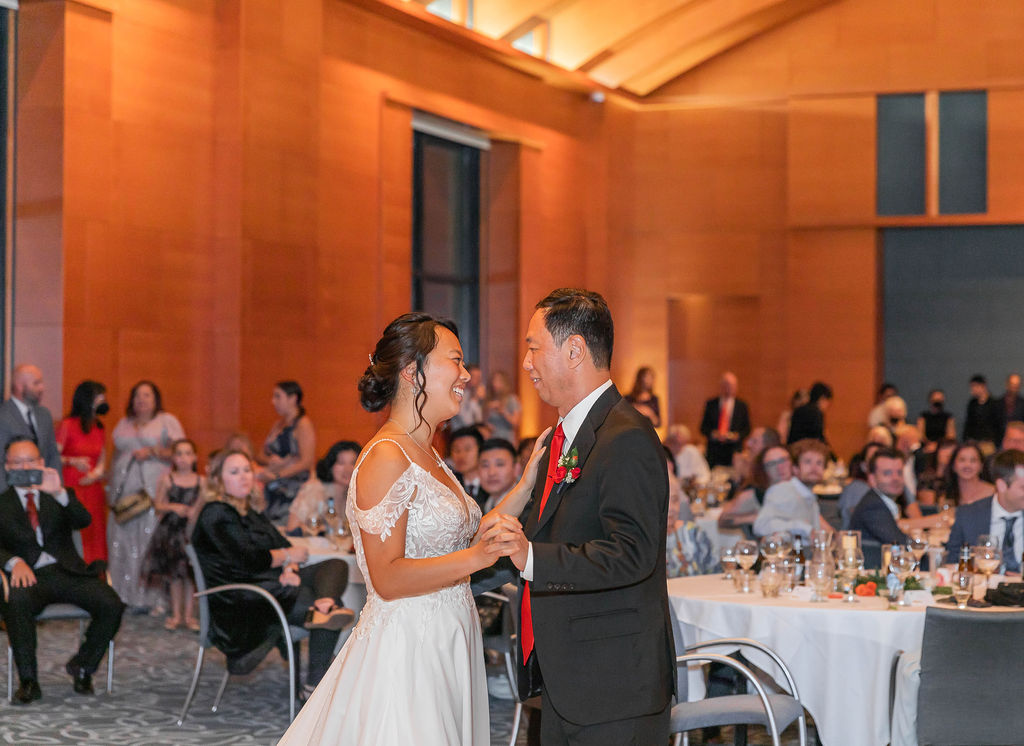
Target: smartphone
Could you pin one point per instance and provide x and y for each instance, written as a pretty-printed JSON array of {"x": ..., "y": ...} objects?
[{"x": 24, "y": 477}]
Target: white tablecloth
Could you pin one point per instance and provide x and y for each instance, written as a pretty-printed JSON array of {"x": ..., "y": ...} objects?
[{"x": 840, "y": 654}]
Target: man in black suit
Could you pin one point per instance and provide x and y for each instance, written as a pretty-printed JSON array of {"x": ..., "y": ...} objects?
[
  {"x": 1001, "y": 516},
  {"x": 877, "y": 512},
  {"x": 24, "y": 416},
  {"x": 38, "y": 553},
  {"x": 726, "y": 423},
  {"x": 595, "y": 634},
  {"x": 982, "y": 420},
  {"x": 1010, "y": 406},
  {"x": 808, "y": 421}
]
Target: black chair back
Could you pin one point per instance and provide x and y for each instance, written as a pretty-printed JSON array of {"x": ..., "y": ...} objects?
[{"x": 971, "y": 678}]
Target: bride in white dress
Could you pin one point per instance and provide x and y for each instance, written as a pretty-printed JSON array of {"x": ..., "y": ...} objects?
[{"x": 412, "y": 673}]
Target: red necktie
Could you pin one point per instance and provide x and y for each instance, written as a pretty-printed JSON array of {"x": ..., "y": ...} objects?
[
  {"x": 526, "y": 627},
  {"x": 30, "y": 508},
  {"x": 724, "y": 415}
]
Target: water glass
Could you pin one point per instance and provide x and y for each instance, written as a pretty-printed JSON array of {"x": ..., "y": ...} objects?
[
  {"x": 820, "y": 579},
  {"x": 772, "y": 578},
  {"x": 746, "y": 557},
  {"x": 962, "y": 588},
  {"x": 727, "y": 557}
]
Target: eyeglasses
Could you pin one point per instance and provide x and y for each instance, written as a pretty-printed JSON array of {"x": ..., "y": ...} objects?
[{"x": 776, "y": 462}]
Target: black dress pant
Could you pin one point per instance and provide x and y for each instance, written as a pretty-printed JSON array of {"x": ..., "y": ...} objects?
[
  {"x": 322, "y": 580},
  {"x": 648, "y": 730},
  {"x": 56, "y": 585}
]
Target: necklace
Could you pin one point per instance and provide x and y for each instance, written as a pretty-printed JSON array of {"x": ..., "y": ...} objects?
[{"x": 433, "y": 456}]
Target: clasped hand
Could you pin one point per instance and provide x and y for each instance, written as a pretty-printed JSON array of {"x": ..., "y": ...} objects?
[{"x": 500, "y": 535}]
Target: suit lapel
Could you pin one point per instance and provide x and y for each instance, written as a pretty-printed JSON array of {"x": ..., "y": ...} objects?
[
  {"x": 11, "y": 505},
  {"x": 584, "y": 443}
]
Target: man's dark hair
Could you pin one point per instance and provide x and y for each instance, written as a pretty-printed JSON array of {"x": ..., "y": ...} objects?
[
  {"x": 18, "y": 439},
  {"x": 978, "y": 378},
  {"x": 571, "y": 311},
  {"x": 468, "y": 432},
  {"x": 499, "y": 444},
  {"x": 886, "y": 386},
  {"x": 891, "y": 453},
  {"x": 1004, "y": 465},
  {"x": 820, "y": 391}
]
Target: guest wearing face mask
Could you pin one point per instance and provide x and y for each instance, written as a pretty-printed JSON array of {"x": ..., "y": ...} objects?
[
  {"x": 81, "y": 440},
  {"x": 935, "y": 422}
]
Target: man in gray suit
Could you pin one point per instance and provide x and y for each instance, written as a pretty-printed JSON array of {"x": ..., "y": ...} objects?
[
  {"x": 23, "y": 416},
  {"x": 1000, "y": 516}
]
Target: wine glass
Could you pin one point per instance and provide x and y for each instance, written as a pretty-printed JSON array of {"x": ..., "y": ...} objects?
[
  {"x": 918, "y": 544},
  {"x": 987, "y": 560},
  {"x": 963, "y": 582},
  {"x": 746, "y": 556},
  {"x": 901, "y": 563},
  {"x": 776, "y": 545},
  {"x": 313, "y": 524},
  {"x": 727, "y": 556},
  {"x": 849, "y": 564},
  {"x": 820, "y": 578},
  {"x": 772, "y": 578},
  {"x": 821, "y": 546}
]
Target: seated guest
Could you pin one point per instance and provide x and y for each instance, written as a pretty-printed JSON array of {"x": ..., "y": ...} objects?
[
  {"x": 966, "y": 479},
  {"x": 689, "y": 461},
  {"x": 499, "y": 470},
  {"x": 858, "y": 485},
  {"x": 999, "y": 515},
  {"x": 235, "y": 544},
  {"x": 524, "y": 451},
  {"x": 772, "y": 466},
  {"x": 792, "y": 505},
  {"x": 877, "y": 512},
  {"x": 879, "y": 414},
  {"x": 908, "y": 442},
  {"x": 932, "y": 482},
  {"x": 464, "y": 454},
  {"x": 743, "y": 460},
  {"x": 881, "y": 435},
  {"x": 333, "y": 473},
  {"x": 39, "y": 555},
  {"x": 289, "y": 452},
  {"x": 1013, "y": 438}
]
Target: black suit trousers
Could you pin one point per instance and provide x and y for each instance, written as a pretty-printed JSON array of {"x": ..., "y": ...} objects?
[
  {"x": 54, "y": 584},
  {"x": 649, "y": 730}
]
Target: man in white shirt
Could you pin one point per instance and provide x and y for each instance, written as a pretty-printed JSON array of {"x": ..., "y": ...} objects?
[
  {"x": 690, "y": 462},
  {"x": 792, "y": 505},
  {"x": 39, "y": 555},
  {"x": 24, "y": 416}
]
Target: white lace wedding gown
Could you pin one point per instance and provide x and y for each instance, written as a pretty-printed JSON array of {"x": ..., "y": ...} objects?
[{"x": 412, "y": 673}]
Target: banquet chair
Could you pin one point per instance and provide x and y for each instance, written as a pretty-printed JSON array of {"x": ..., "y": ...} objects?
[
  {"x": 775, "y": 711},
  {"x": 505, "y": 644},
  {"x": 970, "y": 676},
  {"x": 57, "y": 612},
  {"x": 291, "y": 635}
]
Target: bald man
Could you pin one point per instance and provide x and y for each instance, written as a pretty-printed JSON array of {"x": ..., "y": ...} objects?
[
  {"x": 23, "y": 416},
  {"x": 726, "y": 422}
]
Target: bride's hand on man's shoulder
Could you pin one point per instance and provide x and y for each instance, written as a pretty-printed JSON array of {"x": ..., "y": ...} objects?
[{"x": 533, "y": 465}]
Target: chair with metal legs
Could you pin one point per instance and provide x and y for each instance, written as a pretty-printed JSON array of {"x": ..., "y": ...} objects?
[{"x": 291, "y": 635}]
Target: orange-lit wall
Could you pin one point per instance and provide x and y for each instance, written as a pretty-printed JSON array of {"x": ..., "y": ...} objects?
[{"x": 229, "y": 182}]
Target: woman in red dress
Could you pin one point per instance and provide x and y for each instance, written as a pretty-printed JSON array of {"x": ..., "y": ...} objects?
[{"x": 82, "y": 444}]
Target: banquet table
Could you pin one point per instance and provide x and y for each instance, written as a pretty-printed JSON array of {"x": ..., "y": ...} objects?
[{"x": 841, "y": 655}]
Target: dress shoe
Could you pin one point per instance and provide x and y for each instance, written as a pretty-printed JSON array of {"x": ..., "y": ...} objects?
[
  {"x": 28, "y": 691},
  {"x": 334, "y": 620},
  {"x": 81, "y": 678}
]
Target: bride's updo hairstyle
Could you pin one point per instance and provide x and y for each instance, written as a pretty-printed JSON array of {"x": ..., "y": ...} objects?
[{"x": 407, "y": 339}]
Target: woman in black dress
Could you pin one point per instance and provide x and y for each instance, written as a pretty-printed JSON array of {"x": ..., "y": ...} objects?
[{"x": 235, "y": 544}]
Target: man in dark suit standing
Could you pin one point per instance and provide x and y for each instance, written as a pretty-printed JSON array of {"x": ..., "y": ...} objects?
[
  {"x": 38, "y": 554},
  {"x": 595, "y": 634},
  {"x": 726, "y": 423},
  {"x": 1001, "y": 516},
  {"x": 1010, "y": 406},
  {"x": 24, "y": 416}
]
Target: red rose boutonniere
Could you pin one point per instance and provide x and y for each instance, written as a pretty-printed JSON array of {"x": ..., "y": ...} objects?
[{"x": 567, "y": 471}]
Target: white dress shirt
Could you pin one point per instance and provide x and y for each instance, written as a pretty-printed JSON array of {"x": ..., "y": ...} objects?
[
  {"x": 44, "y": 558},
  {"x": 571, "y": 424},
  {"x": 997, "y": 527}
]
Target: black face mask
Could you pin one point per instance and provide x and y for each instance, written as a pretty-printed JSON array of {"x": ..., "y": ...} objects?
[
  {"x": 937, "y": 405},
  {"x": 102, "y": 408}
]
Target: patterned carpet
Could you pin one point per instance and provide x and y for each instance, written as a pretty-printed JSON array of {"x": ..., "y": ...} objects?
[{"x": 151, "y": 674}]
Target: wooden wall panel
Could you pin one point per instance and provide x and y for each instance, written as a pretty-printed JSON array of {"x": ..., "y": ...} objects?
[{"x": 1005, "y": 154}]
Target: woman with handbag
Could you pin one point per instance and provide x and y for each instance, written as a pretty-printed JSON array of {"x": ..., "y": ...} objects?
[{"x": 142, "y": 454}]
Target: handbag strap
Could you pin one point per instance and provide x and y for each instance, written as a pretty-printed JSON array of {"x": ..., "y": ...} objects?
[{"x": 127, "y": 471}]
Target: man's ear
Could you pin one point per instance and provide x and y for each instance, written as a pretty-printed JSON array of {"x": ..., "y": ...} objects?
[{"x": 577, "y": 349}]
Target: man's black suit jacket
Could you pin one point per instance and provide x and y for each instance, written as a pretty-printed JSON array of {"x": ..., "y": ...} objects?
[
  {"x": 17, "y": 539},
  {"x": 599, "y": 593},
  {"x": 720, "y": 453},
  {"x": 872, "y": 518},
  {"x": 807, "y": 421},
  {"x": 1004, "y": 415},
  {"x": 13, "y": 425}
]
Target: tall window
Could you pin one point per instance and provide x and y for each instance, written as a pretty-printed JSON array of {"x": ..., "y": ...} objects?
[{"x": 446, "y": 234}]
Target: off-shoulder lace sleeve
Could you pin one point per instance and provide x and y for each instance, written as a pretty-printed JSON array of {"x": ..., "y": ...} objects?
[{"x": 383, "y": 516}]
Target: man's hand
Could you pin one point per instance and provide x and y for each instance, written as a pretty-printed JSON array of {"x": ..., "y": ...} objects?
[
  {"x": 51, "y": 481},
  {"x": 22, "y": 575},
  {"x": 521, "y": 551}
]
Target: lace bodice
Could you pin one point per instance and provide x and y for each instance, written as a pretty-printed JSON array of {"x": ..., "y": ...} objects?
[{"x": 441, "y": 521}]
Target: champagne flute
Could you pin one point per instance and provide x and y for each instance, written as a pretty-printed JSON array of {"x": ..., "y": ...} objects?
[
  {"x": 918, "y": 544},
  {"x": 901, "y": 562},
  {"x": 962, "y": 588},
  {"x": 746, "y": 556},
  {"x": 849, "y": 563}
]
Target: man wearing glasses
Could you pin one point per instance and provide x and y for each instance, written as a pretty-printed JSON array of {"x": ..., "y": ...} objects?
[{"x": 38, "y": 555}]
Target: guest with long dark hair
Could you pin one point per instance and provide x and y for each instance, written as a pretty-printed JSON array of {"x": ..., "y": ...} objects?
[
  {"x": 81, "y": 440},
  {"x": 288, "y": 453},
  {"x": 966, "y": 478},
  {"x": 642, "y": 395}
]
